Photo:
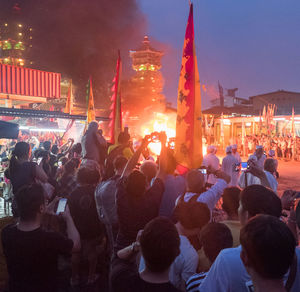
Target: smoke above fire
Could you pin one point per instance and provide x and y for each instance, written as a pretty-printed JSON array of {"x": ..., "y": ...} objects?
[{"x": 80, "y": 38}]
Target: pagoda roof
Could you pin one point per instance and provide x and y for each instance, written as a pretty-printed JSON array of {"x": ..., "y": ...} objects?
[{"x": 145, "y": 47}]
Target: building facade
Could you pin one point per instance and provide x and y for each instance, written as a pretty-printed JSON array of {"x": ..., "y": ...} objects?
[
  {"x": 15, "y": 40},
  {"x": 285, "y": 101}
]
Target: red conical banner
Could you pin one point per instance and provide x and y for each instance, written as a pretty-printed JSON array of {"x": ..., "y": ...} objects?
[
  {"x": 116, "y": 113},
  {"x": 188, "y": 149}
]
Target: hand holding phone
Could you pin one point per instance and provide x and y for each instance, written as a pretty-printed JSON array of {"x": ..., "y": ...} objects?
[{"x": 61, "y": 206}]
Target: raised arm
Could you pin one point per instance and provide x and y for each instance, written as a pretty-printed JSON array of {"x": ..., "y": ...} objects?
[{"x": 134, "y": 159}]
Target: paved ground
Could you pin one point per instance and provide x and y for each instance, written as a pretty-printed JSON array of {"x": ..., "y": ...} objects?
[{"x": 289, "y": 176}]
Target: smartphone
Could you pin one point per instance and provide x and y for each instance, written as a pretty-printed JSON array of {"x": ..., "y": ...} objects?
[
  {"x": 39, "y": 160},
  {"x": 203, "y": 170},
  {"x": 61, "y": 206},
  {"x": 244, "y": 165},
  {"x": 237, "y": 167}
]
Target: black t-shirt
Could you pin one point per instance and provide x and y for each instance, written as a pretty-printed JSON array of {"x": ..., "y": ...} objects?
[
  {"x": 134, "y": 214},
  {"x": 32, "y": 258},
  {"x": 124, "y": 278},
  {"x": 23, "y": 175},
  {"x": 84, "y": 212}
]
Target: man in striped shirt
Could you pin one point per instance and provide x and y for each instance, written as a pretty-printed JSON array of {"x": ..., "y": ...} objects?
[{"x": 214, "y": 237}]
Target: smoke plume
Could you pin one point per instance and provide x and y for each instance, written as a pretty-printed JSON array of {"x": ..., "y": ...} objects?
[{"x": 79, "y": 38}]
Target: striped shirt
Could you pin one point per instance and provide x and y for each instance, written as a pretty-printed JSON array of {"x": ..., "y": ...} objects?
[{"x": 194, "y": 282}]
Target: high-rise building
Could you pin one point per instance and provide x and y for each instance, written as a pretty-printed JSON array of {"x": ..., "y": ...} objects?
[
  {"x": 144, "y": 90},
  {"x": 15, "y": 40}
]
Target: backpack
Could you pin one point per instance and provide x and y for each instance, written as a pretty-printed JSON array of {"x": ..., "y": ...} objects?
[{"x": 109, "y": 170}]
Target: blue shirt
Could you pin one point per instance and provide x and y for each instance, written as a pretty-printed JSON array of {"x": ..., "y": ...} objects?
[{"x": 174, "y": 187}]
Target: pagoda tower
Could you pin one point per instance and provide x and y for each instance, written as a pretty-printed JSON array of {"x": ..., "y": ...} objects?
[
  {"x": 144, "y": 90},
  {"x": 15, "y": 39}
]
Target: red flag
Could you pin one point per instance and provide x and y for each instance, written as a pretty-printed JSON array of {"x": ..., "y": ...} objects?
[
  {"x": 69, "y": 102},
  {"x": 116, "y": 113},
  {"x": 188, "y": 148},
  {"x": 90, "y": 115}
]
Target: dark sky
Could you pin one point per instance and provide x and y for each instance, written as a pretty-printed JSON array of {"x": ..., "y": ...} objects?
[{"x": 250, "y": 44}]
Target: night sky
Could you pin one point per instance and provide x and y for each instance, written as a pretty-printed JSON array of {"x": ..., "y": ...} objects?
[{"x": 250, "y": 44}]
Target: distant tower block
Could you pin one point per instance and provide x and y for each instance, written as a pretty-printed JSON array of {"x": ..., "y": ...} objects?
[
  {"x": 148, "y": 80},
  {"x": 15, "y": 39}
]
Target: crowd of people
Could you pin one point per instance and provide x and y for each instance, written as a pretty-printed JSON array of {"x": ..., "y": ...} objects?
[
  {"x": 282, "y": 147},
  {"x": 93, "y": 212}
]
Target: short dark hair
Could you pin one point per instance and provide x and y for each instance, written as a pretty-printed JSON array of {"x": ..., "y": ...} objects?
[
  {"x": 47, "y": 145},
  {"x": 257, "y": 199},
  {"x": 192, "y": 214},
  {"x": 269, "y": 245},
  {"x": 77, "y": 148},
  {"x": 88, "y": 176},
  {"x": 269, "y": 165},
  {"x": 54, "y": 149},
  {"x": 160, "y": 244},
  {"x": 136, "y": 184},
  {"x": 214, "y": 237},
  {"x": 120, "y": 162},
  {"x": 123, "y": 138},
  {"x": 29, "y": 198},
  {"x": 195, "y": 181},
  {"x": 231, "y": 200}
]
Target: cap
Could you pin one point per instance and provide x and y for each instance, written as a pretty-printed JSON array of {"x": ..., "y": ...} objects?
[
  {"x": 210, "y": 149},
  {"x": 252, "y": 157},
  {"x": 234, "y": 146},
  {"x": 228, "y": 149},
  {"x": 271, "y": 152},
  {"x": 259, "y": 147}
]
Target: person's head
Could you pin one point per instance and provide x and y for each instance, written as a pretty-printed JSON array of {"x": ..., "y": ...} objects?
[
  {"x": 87, "y": 176},
  {"x": 93, "y": 127},
  {"x": 270, "y": 165},
  {"x": 47, "y": 145},
  {"x": 234, "y": 148},
  {"x": 123, "y": 138},
  {"x": 192, "y": 215},
  {"x": 210, "y": 149},
  {"x": 268, "y": 247},
  {"x": 77, "y": 148},
  {"x": 214, "y": 237},
  {"x": 30, "y": 201},
  {"x": 136, "y": 184},
  {"x": 119, "y": 164},
  {"x": 70, "y": 167},
  {"x": 22, "y": 151},
  {"x": 195, "y": 181},
  {"x": 271, "y": 153},
  {"x": 149, "y": 169},
  {"x": 54, "y": 149},
  {"x": 252, "y": 160},
  {"x": 159, "y": 244},
  {"x": 45, "y": 155},
  {"x": 259, "y": 151},
  {"x": 228, "y": 150},
  {"x": 231, "y": 201},
  {"x": 257, "y": 199}
]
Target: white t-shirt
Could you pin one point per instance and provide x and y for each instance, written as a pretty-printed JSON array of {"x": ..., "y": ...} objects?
[
  {"x": 211, "y": 196},
  {"x": 228, "y": 166},
  {"x": 228, "y": 274},
  {"x": 184, "y": 266}
]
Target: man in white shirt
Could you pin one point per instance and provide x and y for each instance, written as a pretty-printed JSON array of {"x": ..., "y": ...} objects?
[
  {"x": 247, "y": 179},
  {"x": 228, "y": 272},
  {"x": 261, "y": 157},
  {"x": 211, "y": 160},
  {"x": 235, "y": 153},
  {"x": 230, "y": 166},
  {"x": 195, "y": 187},
  {"x": 270, "y": 169}
]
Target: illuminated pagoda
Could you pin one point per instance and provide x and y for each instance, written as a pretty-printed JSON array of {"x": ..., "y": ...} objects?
[
  {"x": 144, "y": 89},
  {"x": 15, "y": 40}
]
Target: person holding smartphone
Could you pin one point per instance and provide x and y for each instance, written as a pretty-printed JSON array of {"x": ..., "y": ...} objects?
[{"x": 31, "y": 252}]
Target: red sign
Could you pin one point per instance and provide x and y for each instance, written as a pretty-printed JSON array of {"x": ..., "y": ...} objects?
[{"x": 30, "y": 82}]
